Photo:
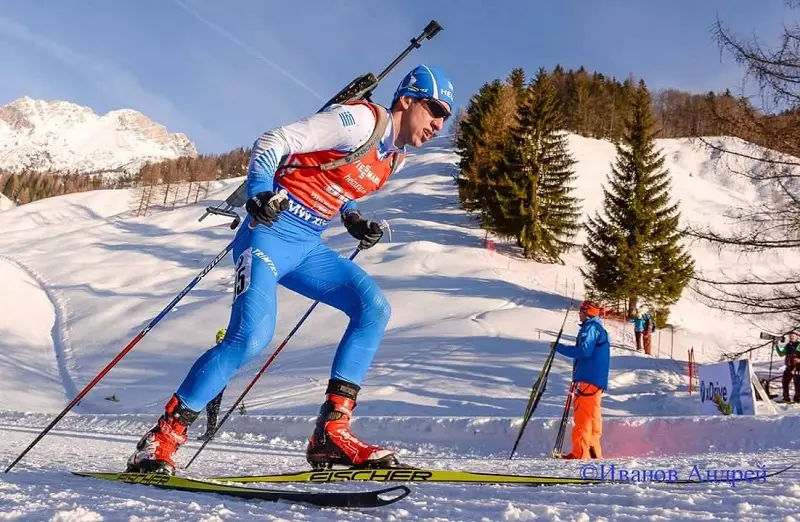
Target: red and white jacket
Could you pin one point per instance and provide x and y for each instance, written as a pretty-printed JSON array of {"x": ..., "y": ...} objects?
[{"x": 315, "y": 195}]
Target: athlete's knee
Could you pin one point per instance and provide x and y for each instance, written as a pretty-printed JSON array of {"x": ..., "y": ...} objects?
[
  {"x": 242, "y": 347},
  {"x": 375, "y": 307},
  {"x": 254, "y": 344},
  {"x": 382, "y": 309}
]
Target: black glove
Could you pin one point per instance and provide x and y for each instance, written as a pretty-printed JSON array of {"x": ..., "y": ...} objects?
[
  {"x": 368, "y": 232},
  {"x": 264, "y": 210}
]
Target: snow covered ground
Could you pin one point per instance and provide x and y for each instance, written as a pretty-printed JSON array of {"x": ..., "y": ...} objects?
[
  {"x": 80, "y": 276},
  {"x": 43, "y": 490},
  {"x": 5, "y": 203}
]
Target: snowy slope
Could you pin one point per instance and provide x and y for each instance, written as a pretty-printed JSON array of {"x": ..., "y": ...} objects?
[
  {"x": 62, "y": 136},
  {"x": 5, "y": 203},
  {"x": 470, "y": 328}
]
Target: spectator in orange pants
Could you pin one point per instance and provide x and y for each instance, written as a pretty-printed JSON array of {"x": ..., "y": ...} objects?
[
  {"x": 588, "y": 422},
  {"x": 592, "y": 354}
]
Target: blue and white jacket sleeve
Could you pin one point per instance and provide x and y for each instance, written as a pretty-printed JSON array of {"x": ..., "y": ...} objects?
[
  {"x": 584, "y": 344},
  {"x": 340, "y": 127}
]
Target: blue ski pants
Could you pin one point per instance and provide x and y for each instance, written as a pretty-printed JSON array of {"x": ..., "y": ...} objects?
[{"x": 292, "y": 255}]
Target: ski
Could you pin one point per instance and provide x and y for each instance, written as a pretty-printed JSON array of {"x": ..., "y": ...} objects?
[
  {"x": 540, "y": 384},
  {"x": 454, "y": 477},
  {"x": 354, "y": 499},
  {"x": 409, "y": 475}
]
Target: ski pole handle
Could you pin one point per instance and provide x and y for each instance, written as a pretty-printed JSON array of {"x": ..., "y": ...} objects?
[
  {"x": 385, "y": 226},
  {"x": 274, "y": 202}
]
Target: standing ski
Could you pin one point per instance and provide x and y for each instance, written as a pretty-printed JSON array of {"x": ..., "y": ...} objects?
[{"x": 540, "y": 384}]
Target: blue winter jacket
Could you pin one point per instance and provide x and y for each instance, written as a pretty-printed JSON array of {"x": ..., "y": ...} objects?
[
  {"x": 638, "y": 324},
  {"x": 592, "y": 353}
]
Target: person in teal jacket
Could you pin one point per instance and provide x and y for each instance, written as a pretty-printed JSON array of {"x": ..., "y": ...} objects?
[
  {"x": 592, "y": 355},
  {"x": 639, "y": 325}
]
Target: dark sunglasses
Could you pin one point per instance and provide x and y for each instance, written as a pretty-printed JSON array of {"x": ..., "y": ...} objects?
[{"x": 436, "y": 109}]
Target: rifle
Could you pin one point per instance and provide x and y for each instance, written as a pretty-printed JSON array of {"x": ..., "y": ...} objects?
[{"x": 361, "y": 88}]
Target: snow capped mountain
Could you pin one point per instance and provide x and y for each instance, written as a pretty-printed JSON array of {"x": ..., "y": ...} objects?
[{"x": 63, "y": 136}]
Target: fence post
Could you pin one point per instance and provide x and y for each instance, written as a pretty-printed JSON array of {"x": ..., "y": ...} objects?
[
  {"x": 671, "y": 342},
  {"x": 690, "y": 371},
  {"x": 691, "y": 368},
  {"x": 658, "y": 345}
]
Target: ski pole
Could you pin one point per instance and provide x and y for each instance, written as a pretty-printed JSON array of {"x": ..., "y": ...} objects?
[
  {"x": 122, "y": 354},
  {"x": 261, "y": 372},
  {"x": 275, "y": 201},
  {"x": 562, "y": 427}
]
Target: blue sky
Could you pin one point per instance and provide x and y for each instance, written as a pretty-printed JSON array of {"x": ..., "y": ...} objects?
[{"x": 223, "y": 72}]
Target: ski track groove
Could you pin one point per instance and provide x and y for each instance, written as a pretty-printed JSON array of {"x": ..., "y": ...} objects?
[
  {"x": 409, "y": 362},
  {"x": 62, "y": 345},
  {"x": 416, "y": 357},
  {"x": 509, "y": 304}
]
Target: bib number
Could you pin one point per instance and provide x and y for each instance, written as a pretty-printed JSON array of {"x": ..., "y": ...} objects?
[{"x": 242, "y": 275}]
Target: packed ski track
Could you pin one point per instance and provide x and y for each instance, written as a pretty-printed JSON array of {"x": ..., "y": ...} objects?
[
  {"x": 470, "y": 329},
  {"x": 60, "y": 331}
]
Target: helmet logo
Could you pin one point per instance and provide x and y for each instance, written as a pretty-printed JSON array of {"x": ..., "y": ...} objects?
[{"x": 424, "y": 82}]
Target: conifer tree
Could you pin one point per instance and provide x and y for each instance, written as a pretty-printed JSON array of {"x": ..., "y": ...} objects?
[
  {"x": 534, "y": 202},
  {"x": 471, "y": 132},
  {"x": 633, "y": 251},
  {"x": 517, "y": 80},
  {"x": 482, "y": 136}
]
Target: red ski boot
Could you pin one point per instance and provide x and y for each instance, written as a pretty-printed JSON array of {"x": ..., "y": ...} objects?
[
  {"x": 155, "y": 451},
  {"x": 334, "y": 443}
]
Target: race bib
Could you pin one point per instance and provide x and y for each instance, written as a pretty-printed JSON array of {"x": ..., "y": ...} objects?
[{"x": 243, "y": 269}]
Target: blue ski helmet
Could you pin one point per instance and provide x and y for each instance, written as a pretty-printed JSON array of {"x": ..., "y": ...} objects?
[{"x": 426, "y": 82}]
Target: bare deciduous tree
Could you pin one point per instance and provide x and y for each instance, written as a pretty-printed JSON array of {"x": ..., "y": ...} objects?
[{"x": 772, "y": 225}]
